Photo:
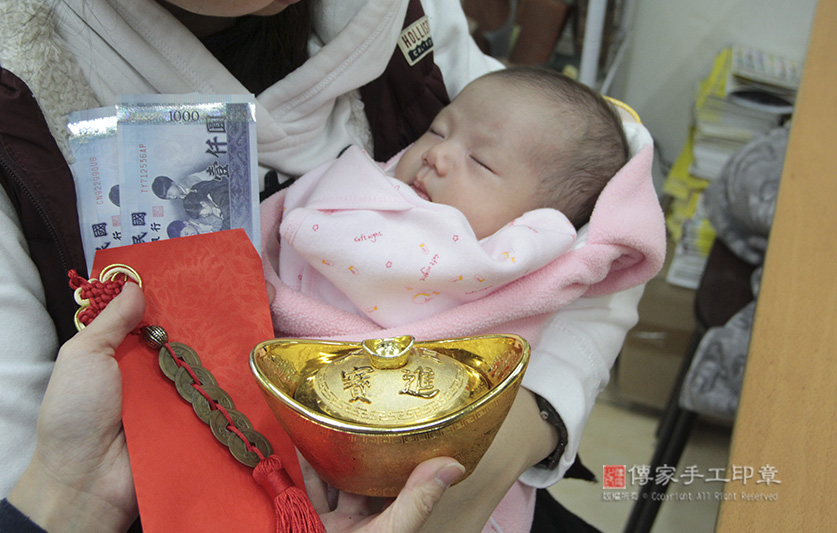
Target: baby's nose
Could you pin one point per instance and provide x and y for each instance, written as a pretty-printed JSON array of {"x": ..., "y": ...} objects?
[{"x": 437, "y": 157}]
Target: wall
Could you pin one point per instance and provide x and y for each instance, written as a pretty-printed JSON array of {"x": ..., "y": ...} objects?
[{"x": 674, "y": 42}]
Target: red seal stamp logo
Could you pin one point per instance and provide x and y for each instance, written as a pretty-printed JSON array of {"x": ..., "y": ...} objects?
[{"x": 613, "y": 476}]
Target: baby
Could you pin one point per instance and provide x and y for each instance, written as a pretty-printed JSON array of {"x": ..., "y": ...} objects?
[
  {"x": 517, "y": 140},
  {"x": 496, "y": 189}
]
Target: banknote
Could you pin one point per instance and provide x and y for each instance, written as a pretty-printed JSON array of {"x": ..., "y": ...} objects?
[
  {"x": 95, "y": 167},
  {"x": 187, "y": 165}
]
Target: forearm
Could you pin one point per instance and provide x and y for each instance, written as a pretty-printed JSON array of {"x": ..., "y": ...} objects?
[
  {"x": 572, "y": 363},
  {"x": 79, "y": 478},
  {"x": 569, "y": 368},
  {"x": 56, "y": 507},
  {"x": 524, "y": 439}
]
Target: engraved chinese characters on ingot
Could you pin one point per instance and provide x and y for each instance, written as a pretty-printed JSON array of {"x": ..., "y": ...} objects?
[
  {"x": 419, "y": 382},
  {"x": 354, "y": 389},
  {"x": 502, "y": 366},
  {"x": 357, "y": 382},
  {"x": 284, "y": 370}
]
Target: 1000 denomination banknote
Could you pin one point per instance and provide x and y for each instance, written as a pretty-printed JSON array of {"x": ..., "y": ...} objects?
[
  {"x": 187, "y": 165},
  {"x": 95, "y": 167}
]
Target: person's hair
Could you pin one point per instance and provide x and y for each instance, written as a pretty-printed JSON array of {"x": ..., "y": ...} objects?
[
  {"x": 595, "y": 147},
  {"x": 161, "y": 185},
  {"x": 192, "y": 204},
  {"x": 174, "y": 228},
  {"x": 259, "y": 51},
  {"x": 113, "y": 195}
]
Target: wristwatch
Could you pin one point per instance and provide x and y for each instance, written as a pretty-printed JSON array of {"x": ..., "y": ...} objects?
[{"x": 550, "y": 415}]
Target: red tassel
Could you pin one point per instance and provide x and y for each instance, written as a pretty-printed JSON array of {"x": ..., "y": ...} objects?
[{"x": 294, "y": 512}]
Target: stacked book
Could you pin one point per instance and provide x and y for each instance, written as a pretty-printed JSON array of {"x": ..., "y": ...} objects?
[{"x": 748, "y": 93}]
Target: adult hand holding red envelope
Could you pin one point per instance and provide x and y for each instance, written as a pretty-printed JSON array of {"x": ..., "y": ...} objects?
[{"x": 208, "y": 292}]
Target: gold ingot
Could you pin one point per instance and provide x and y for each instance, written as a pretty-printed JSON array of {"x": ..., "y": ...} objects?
[{"x": 364, "y": 415}]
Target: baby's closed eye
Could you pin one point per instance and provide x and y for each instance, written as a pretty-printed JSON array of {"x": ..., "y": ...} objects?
[{"x": 479, "y": 161}]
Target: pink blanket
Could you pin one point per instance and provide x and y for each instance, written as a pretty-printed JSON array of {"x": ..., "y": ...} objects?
[{"x": 625, "y": 246}]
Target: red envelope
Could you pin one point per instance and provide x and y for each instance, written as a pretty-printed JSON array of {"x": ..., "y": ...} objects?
[{"x": 208, "y": 292}]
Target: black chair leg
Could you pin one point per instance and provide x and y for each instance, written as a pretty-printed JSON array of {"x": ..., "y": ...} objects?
[
  {"x": 672, "y": 434},
  {"x": 673, "y": 406},
  {"x": 668, "y": 453}
]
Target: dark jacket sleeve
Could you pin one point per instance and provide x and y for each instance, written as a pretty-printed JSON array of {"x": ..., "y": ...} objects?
[
  {"x": 40, "y": 186},
  {"x": 13, "y": 521}
]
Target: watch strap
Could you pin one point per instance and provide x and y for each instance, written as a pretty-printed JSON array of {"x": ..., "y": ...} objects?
[{"x": 551, "y": 416}]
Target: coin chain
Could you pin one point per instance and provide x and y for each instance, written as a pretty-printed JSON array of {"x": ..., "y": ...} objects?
[{"x": 212, "y": 404}]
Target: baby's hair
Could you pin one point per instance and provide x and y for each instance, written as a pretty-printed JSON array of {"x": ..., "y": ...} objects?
[
  {"x": 113, "y": 195},
  {"x": 594, "y": 148},
  {"x": 174, "y": 228}
]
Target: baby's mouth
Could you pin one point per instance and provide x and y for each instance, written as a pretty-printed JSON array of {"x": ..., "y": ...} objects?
[{"x": 419, "y": 188}]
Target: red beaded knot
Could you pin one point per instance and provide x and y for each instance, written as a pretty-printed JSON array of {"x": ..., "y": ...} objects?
[{"x": 94, "y": 295}]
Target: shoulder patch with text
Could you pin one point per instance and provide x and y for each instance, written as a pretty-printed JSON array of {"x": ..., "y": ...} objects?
[{"x": 415, "y": 41}]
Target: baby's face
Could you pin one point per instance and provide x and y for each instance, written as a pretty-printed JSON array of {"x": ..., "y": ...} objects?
[
  {"x": 206, "y": 209},
  {"x": 189, "y": 230},
  {"x": 477, "y": 155},
  {"x": 174, "y": 192}
]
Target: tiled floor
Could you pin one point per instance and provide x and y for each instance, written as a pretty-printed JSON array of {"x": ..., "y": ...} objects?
[{"x": 618, "y": 434}]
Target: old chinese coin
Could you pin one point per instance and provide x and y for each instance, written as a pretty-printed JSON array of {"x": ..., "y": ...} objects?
[
  {"x": 239, "y": 449},
  {"x": 183, "y": 381},
  {"x": 202, "y": 406},
  {"x": 218, "y": 423},
  {"x": 187, "y": 354}
]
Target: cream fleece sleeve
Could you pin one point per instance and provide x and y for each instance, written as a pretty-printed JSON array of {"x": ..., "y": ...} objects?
[{"x": 28, "y": 345}]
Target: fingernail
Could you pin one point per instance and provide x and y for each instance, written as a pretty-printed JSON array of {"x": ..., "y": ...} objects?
[{"x": 449, "y": 474}]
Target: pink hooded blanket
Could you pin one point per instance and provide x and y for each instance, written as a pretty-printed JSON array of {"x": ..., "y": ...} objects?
[{"x": 625, "y": 247}]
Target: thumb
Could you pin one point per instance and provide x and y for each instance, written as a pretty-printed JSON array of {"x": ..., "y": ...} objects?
[
  {"x": 271, "y": 292},
  {"x": 425, "y": 487},
  {"x": 115, "y": 322}
]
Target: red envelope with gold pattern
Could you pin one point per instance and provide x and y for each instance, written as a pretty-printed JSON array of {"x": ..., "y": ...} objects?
[{"x": 208, "y": 292}]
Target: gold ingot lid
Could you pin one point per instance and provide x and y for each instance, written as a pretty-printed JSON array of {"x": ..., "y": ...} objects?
[{"x": 390, "y": 382}]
